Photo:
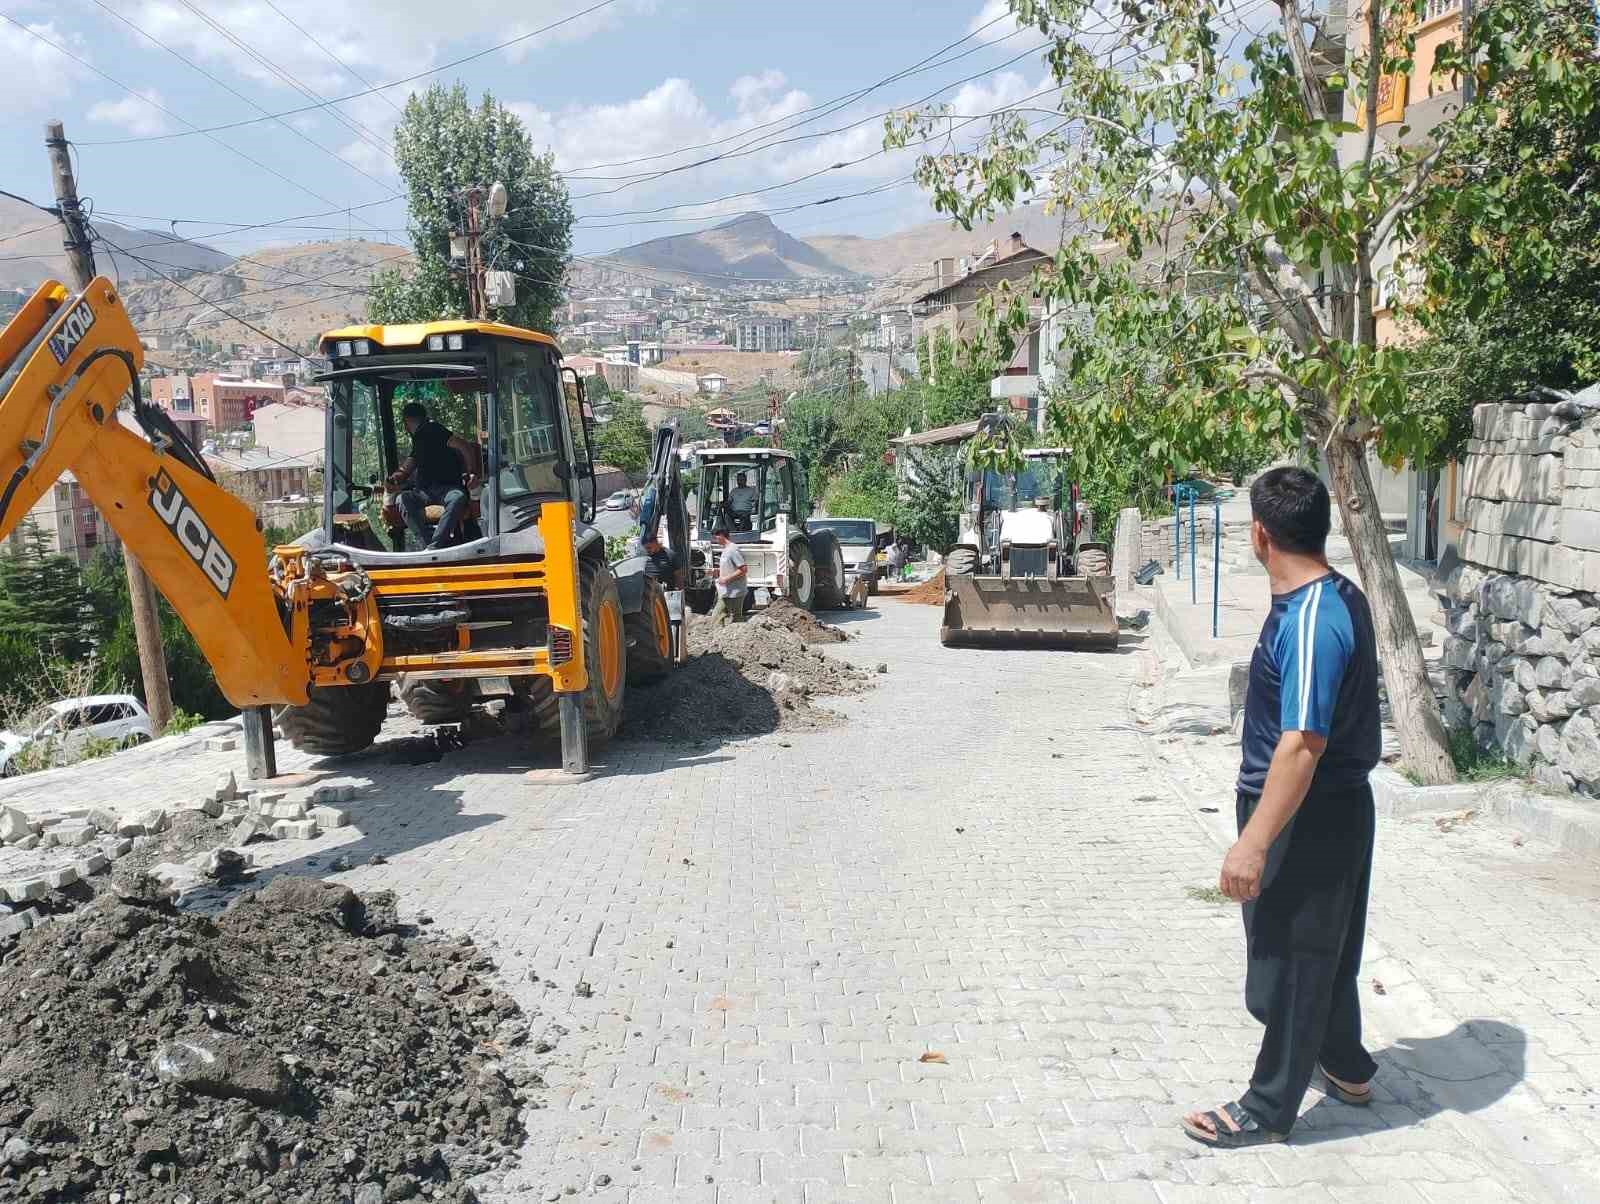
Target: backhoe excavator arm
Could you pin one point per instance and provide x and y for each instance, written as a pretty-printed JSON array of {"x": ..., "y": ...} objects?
[{"x": 65, "y": 361}]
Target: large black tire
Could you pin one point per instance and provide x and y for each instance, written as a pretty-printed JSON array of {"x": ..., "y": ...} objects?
[
  {"x": 802, "y": 576},
  {"x": 436, "y": 702},
  {"x": 649, "y": 633},
  {"x": 961, "y": 562},
  {"x": 828, "y": 558},
  {"x": 602, "y": 709},
  {"x": 336, "y": 719}
]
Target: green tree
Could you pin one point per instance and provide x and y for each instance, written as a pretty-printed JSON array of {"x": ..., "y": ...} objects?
[
  {"x": 1216, "y": 158},
  {"x": 814, "y": 432},
  {"x": 1509, "y": 298},
  {"x": 930, "y": 500},
  {"x": 624, "y": 442},
  {"x": 955, "y": 384},
  {"x": 43, "y": 605},
  {"x": 444, "y": 145}
]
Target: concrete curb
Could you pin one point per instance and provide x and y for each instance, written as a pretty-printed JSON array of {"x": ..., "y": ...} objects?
[{"x": 1570, "y": 823}]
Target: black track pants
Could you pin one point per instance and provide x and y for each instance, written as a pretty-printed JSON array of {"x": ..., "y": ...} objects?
[{"x": 1304, "y": 935}]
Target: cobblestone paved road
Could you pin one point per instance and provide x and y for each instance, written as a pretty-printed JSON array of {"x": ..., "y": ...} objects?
[{"x": 945, "y": 952}]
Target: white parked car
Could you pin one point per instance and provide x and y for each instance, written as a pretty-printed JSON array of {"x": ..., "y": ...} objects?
[
  {"x": 620, "y": 500},
  {"x": 58, "y": 732}
]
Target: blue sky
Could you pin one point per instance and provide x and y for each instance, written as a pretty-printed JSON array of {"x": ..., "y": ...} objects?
[{"x": 634, "y": 78}]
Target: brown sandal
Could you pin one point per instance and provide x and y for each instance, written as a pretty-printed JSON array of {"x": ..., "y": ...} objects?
[{"x": 1357, "y": 1098}]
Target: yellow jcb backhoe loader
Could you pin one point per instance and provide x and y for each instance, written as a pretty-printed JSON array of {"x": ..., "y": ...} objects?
[{"x": 519, "y": 603}]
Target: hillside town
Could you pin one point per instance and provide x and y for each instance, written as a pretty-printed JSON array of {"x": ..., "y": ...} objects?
[{"x": 999, "y": 602}]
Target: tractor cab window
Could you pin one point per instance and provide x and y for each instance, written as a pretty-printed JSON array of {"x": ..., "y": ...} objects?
[
  {"x": 370, "y": 441},
  {"x": 776, "y": 494},
  {"x": 531, "y": 446}
]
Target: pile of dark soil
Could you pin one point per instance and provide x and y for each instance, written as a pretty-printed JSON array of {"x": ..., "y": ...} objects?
[
  {"x": 742, "y": 679},
  {"x": 803, "y": 623},
  {"x": 301, "y": 1047},
  {"x": 189, "y": 834}
]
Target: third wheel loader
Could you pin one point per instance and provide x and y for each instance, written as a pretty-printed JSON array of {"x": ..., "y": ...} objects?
[{"x": 1018, "y": 573}]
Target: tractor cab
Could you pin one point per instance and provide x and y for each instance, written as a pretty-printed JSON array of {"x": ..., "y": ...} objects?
[
  {"x": 517, "y": 440},
  {"x": 753, "y": 490}
]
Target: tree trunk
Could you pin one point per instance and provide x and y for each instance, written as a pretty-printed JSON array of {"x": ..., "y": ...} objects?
[{"x": 1412, "y": 706}]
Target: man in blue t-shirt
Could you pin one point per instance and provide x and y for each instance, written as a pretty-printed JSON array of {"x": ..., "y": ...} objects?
[{"x": 1303, "y": 860}]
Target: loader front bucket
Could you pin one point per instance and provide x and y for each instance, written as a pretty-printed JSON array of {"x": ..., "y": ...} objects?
[{"x": 1069, "y": 612}]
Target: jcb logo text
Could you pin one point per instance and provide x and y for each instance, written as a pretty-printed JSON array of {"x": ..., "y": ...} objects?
[{"x": 173, "y": 509}]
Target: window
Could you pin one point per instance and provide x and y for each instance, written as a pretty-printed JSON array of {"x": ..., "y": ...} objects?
[
  {"x": 775, "y": 494},
  {"x": 530, "y": 429}
]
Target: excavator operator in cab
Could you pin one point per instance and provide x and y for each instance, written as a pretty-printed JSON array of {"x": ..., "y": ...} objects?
[{"x": 438, "y": 475}]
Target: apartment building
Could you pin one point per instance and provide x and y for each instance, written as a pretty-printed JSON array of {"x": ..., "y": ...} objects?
[{"x": 765, "y": 334}]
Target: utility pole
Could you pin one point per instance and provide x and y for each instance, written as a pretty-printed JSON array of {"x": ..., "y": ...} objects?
[
  {"x": 476, "y": 309},
  {"x": 141, "y": 594},
  {"x": 1469, "y": 85}
]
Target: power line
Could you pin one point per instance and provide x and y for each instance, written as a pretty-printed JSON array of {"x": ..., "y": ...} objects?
[
  {"x": 220, "y": 309},
  {"x": 163, "y": 109},
  {"x": 231, "y": 90},
  {"x": 741, "y": 152},
  {"x": 830, "y": 105},
  {"x": 312, "y": 38},
  {"x": 233, "y": 125},
  {"x": 354, "y": 126}
]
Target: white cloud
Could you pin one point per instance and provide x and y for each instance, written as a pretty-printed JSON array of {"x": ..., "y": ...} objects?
[
  {"x": 37, "y": 76},
  {"x": 378, "y": 39},
  {"x": 749, "y": 90},
  {"x": 138, "y": 113},
  {"x": 988, "y": 24}
]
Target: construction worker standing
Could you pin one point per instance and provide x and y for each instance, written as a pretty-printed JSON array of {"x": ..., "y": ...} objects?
[{"x": 732, "y": 578}]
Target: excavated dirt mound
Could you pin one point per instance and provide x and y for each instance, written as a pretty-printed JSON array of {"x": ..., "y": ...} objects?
[
  {"x": 929, "y": 593},
  {"x": 298, "y": 1048},
  {"x": 803, "y": 623},
  {"x": 742, "y": 679}
]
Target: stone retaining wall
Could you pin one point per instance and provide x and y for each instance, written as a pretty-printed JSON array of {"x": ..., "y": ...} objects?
[{"x": 1521, "y": 601}]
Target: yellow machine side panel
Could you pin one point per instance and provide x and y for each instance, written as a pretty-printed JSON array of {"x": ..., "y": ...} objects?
[
  {"x": 202, "y": 549},
  {"x": 556, "y": 524}
]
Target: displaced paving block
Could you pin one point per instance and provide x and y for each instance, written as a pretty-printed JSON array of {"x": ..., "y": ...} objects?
[
  {"x": 104, "y": 820},
  {"x": 212, "y": 808},
  {"x": 61, "y": 876},
  {"x": 221, "y": 744},
  {"x": 284, "y": 810},
  {"x": 155, "y": 819},
  {"x": 264, "y": 798},
  {"x": 15, "y": 826},
  {"x": 329, "y": 817},
  {"x": 129, "y": 826},
  {"x": 92, "y": 864},
  {"x": 250, "y": 828},
  {"x": 75, "y": 835},
  {"x": 333, "y": 794},
  {"x": 295, "y": 829},
  {"x": 23, "y": 890},
  {"x": 27, "y": 842},
  {"x": 225, "y": 788},
  {"x": 118, "y": 848},
  {"x": 15, "y": 923}
]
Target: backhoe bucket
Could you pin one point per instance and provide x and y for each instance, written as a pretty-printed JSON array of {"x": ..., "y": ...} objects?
[{"x": 1069, "y": 612}]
